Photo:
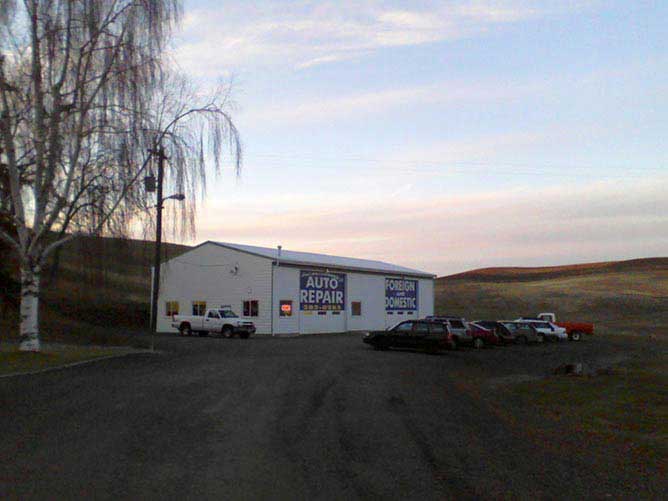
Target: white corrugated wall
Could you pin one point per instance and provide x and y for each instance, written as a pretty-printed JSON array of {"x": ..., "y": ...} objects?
[{"x": 219, "y": 276}]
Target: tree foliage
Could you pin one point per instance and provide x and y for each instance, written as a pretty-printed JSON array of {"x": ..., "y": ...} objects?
[{"x": 84, "y": 95}]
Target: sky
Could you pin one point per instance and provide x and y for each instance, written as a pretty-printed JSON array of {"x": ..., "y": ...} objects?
[{"x": 439, "y": 135}]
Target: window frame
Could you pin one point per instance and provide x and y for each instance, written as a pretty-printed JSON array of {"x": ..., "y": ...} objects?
[
  {"x": 250, "y": 308},
  {"x": 283, "y": 314},
  {"x": 169, "y": 308},
  {"x": 199, "y": 306}
]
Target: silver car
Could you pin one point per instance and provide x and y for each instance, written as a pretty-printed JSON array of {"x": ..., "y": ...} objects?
[
  {"x": 458, "y": 327},
  {"x": 549, "y": 330}
]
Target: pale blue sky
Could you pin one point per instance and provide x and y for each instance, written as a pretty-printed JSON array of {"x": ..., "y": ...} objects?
[{"x": 441, "y": 135}]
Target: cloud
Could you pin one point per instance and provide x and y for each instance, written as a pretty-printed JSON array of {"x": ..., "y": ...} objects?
[
  {"x": 305, "y": 34},
  {"x": 555, "y": 225},
  {"x": 326, "y": 109}
]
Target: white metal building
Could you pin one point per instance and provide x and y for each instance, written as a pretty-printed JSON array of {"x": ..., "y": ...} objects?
[{"x": 286, "y": 292}]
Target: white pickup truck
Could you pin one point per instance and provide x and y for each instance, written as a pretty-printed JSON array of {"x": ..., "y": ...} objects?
[{"x": 216, "y": 320}]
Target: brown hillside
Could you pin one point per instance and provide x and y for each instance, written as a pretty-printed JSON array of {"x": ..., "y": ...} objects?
[
  {"x": 550, "y": 272},
  {"x": 99, "y": 282},
  {"x": 620, "y": 297}
]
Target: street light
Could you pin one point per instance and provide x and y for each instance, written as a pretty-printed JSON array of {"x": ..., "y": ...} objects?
[
  {"x": 160, "y": 153},
  {"x": 179, "y": 196}
]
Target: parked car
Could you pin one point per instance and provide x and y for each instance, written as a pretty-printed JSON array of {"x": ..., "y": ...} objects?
[
  {"x": 551, "y": 331},
  {"x": 457, "y": 326},
  {"x": 215, "y": 320},
  {"x": 501, "y": 331},
  {"x": 483, "y": 336},
  {"x": 413, "y": 334},
  {"x": 574, "y": 330},
  {"x": 522, "y": 332}
]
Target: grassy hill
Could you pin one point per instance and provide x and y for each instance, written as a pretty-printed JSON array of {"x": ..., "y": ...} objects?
[
  {"x": 98, "y": 282},
  {"x": 102, "y": 286},
  {"x": 629, "y": 297}
]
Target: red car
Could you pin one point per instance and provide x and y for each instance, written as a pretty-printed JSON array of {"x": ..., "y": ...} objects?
[{"x": 482, "y": 336}]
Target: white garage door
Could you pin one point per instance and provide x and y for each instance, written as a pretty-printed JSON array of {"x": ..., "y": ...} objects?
[{"x": 312, "y": 322}]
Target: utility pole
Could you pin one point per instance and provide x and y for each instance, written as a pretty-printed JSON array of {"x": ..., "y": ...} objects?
[{"x": 160, "y": 153}]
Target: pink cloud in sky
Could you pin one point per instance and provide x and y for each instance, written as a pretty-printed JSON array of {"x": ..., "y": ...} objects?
[{"x": 445, "y": 235}]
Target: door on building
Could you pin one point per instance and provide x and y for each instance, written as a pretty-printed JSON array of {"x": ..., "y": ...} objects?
[{"x": 312, "y": 322}]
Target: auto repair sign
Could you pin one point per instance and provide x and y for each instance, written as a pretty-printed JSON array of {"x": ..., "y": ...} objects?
[
  {"x": 322, "y": 291},
  {"x": 401, "y": 294}
]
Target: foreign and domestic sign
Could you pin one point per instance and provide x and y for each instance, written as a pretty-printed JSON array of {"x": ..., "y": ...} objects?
[
  {"x": 322, "y": 291},
  {"x": 401, "y": 294}
]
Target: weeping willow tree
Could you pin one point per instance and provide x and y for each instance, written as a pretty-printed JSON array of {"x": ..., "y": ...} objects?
[{"x": 84, "y": 96}]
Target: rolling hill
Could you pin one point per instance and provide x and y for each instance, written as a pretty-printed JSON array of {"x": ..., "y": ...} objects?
[
  {"x": 98, "y": 283},
  {"x": 629, "y": 297},
  {"x": 105, "y": 283}
]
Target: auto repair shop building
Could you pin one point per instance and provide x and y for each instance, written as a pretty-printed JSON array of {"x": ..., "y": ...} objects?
[{"x": 286, "y": 292}]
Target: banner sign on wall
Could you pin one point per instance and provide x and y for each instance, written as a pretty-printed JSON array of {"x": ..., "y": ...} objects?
[
  {"x": 401, "y": 294},
  {"x": 322, "y": 291}
]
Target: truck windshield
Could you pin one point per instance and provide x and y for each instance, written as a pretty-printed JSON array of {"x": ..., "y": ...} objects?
[{"x": 227, "y": 314}]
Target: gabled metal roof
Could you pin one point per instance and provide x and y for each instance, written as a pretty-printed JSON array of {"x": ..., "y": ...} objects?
[{"x": 324, "y": 260}]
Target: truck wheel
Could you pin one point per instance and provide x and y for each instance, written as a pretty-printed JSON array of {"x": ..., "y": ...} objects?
[
  {"x": 185, "y": 330},
  {"x": 576, "y": 336},
  {"x": 227, "y": 332},
  {"x": 478, "y": 343}
]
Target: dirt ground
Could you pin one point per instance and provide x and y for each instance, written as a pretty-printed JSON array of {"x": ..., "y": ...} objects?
[{"x": 326, "y": 417}]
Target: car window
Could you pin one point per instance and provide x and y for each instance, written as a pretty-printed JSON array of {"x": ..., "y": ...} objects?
[
  {"x": 213, "y": 314},
  {"x": 228, "y": 314},
  {"x": 421, "y": 327},
  {"x": 457, "y": 324},
  {"x": 437, "y": 328},
  {"x": 404, "y": 327}
]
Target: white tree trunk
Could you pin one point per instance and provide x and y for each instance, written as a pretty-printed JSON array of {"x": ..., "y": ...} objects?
[{"x": 30, "y": 275}]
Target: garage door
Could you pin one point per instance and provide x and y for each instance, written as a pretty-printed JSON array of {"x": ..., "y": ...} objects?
[{"x": 312, "y": 322}]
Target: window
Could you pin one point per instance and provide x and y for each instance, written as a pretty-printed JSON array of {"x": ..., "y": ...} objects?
[
  {"x": 213, "y": 314},
  {"x": 437, "y": 328},
  {"x": 171, "y": 308},
  {"x": 457, "y": 324},
  {"x": 421, "y": 328},
  {"x": 227, "y": 314},
  {"x": 285, "y": 308},
  {"x": 251, "y": 308},
  {"x": 199, "y": 308},
  {"x": 356, "y": 308},
  {"x": 404, "y": 327}
]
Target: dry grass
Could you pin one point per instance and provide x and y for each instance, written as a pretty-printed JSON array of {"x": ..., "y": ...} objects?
[
  {"x": 633, "y": 300},
  {"x": 12, "y": 360},
  {"x": 100, "y": 293},
  {"x": 625, "y": 411}
]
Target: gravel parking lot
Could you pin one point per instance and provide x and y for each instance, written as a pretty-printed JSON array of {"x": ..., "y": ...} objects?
[{"x": 309, "y": 417}]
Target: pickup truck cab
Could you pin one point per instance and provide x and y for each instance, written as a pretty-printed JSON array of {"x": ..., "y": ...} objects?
[
  {"x": 574, "y": 330},
  {"x": 215, "y": 320}
]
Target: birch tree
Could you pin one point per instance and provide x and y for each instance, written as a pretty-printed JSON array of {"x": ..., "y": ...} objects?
[{"x": 84, "y": 95}]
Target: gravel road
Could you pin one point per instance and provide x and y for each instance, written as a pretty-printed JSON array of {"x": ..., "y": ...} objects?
[{"x": 315, "y": 417}]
